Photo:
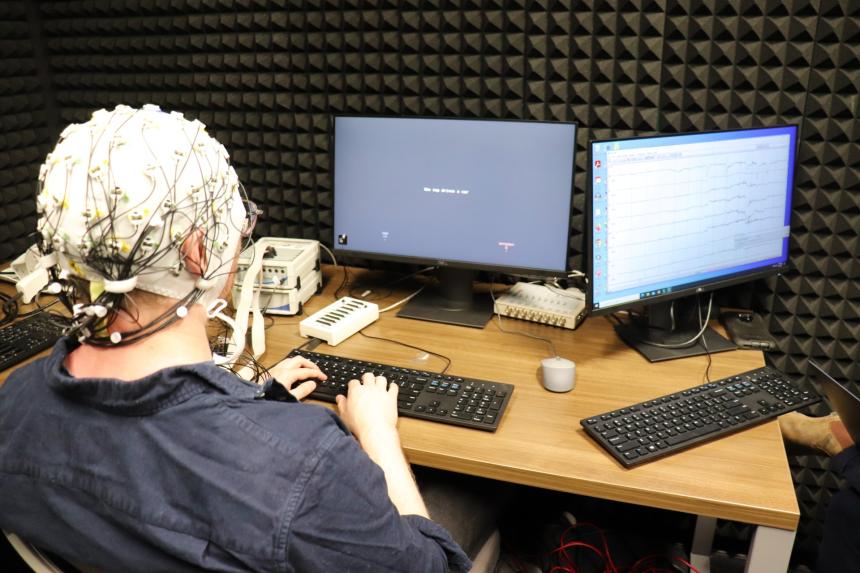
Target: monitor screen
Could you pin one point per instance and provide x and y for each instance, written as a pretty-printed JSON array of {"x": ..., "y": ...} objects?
[
  {"x": 478, "y": 194},
  {"x": 679, "y": 214}
]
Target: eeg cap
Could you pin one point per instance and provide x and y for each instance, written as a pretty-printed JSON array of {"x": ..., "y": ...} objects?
[{"x": 120, "y": 194}]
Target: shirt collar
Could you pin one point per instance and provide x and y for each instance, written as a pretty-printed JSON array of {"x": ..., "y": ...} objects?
[{"x": 146, "y": 395}]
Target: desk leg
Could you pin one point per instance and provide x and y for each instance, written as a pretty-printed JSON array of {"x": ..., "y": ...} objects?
[
  {"x": 703, "y": 539},
  {"x": 770, "y": 550}
]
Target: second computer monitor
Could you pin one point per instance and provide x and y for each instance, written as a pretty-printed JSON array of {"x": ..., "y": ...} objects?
[
  {"x": 459, "y": 193},
  {"x": 681, "y": 214}
]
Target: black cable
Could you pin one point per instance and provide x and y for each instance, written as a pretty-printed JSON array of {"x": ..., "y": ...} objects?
[
  {"x": 704, "y": 343},
  {"x": 442, "y": 356},
  {"x": 247, "y": 360},
  {"x": 310, "y": 341},
  {"x": 498, "y": 316},
  {"x": 386, "y": 288},
  {"x": 113, "y": 301},
  {"x": 10, "y": 308},
  {"x": 377, "y": 294},
  {"x": 343, "y": 282},
  {"x": 708, "y": 367},
  {"x": 703, "y": 325},
  {"x": 39, "y": 308},
  {"x": 614, "y": 319},
  {"x": 268, "y": 321}
]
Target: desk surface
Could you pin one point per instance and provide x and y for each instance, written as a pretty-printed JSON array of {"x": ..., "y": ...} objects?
[{"x": 744, "y": 477}]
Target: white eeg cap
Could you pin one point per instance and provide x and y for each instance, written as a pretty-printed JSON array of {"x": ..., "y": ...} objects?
[{"x": 121, "y": 193}]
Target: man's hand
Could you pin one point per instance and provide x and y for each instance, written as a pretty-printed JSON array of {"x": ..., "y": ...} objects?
[
  {"x": 295, "y": 369},
  {"x": 369, "y": 408}
]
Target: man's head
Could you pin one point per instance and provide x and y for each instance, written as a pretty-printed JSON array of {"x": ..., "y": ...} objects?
[{"x": 140, "y": 200}]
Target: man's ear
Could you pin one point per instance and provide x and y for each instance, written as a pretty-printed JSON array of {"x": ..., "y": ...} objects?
[{"x": 193, "y": 253}]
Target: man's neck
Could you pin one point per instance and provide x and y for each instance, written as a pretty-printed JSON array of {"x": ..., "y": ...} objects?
[{"x": 183, "y": 342}]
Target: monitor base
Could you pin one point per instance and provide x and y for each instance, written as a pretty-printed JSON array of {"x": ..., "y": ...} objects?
[
  {"x": 637, "y": 337},
  {"x": 435, "y": 307}
]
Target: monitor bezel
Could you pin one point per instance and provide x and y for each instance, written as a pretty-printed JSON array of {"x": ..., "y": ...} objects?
[
  {"x": 704, "y": 286},
  {"x": 462, "y": 264}
]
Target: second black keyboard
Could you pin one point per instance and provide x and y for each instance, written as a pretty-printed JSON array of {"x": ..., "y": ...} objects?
[
  {"x": 655, "y": 428},
  {"x": 467, "y": 402},
  {"x": 21, "y": 340}
]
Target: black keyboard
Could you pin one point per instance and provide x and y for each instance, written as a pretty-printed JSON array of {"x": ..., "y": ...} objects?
[
  {"x": 29, "y": 336},
  {"x": 442, "y": 398},
  {"x": 662, "y": 426}
]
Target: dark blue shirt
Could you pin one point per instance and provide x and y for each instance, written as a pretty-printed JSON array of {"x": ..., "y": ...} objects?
[{"x": 190, "y": 469}]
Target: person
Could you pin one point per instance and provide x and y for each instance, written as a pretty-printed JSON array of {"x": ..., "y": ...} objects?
[
  {"x": 839, "y": 550},
  {"x": 128, "y": 448}
]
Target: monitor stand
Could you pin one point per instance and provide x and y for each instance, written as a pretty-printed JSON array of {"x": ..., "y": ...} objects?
[
  {"x": 452, "y": 301},
  {"x": 670, "y": 323}
]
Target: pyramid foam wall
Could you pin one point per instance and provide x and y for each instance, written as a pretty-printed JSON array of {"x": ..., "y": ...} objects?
[{"x": 23, "y": 128}]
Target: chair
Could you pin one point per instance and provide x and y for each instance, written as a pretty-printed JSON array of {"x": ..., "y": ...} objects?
[
  {"x": 35, "y": 559},
  {"x": 487, "y": 559}
]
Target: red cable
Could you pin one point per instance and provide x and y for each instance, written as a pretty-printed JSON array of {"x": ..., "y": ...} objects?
[
  {"x": 688, "y": 564},
  {"x": 608, "y": 564},
  {"x": 652, "y": 568},
  {"x": 606, "y": 556},
  {"x": 563, "y": 550},
  {"x": 635, "y": 566}
]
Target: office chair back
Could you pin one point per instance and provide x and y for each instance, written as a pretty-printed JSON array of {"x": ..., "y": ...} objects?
[{"x": 35, "y": 559}]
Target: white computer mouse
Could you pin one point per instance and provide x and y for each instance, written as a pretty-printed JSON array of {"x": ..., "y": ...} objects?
[{"x": 558, "y": 374}]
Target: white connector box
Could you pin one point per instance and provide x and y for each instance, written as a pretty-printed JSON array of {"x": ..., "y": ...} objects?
[
  {"x": 564, "y": 308},
  {"x": 286, "y": 263},
  {"x": 339, "y": 320},
  {"x": 291, "y": 301},
  {"x": 289, "y": 277}
]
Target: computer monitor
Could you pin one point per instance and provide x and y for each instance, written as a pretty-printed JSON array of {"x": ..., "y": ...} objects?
[
  {"x": 461, "y": 194},
  {"x": 671, "y": 216}
]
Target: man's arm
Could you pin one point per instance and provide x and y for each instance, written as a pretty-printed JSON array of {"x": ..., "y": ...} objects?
[
  {"x": 346, "y": 520},
  {"x": 370, "y": 412}
]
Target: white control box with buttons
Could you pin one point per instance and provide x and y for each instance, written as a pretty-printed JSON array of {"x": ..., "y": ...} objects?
[
  {"x": 339, "y": 320},
  {"x": 564, "y": 308}
]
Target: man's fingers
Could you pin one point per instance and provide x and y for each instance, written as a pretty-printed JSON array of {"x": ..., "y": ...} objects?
[
  {"x": 304, "y": 389},
  {"x": 297, "y": 374},
  {"x": 305, "y": 373},
  {"x": 298, "y": 362}
]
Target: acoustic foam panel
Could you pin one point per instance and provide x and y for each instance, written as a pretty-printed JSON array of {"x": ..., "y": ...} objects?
[{"x": 23, "y": 135}]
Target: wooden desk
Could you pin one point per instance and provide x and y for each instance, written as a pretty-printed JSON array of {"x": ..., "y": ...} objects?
[{"x": 540, "y": 443}]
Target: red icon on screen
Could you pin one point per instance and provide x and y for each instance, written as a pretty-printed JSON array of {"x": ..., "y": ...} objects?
[
  {"x": 597, "y": 163},
  {"x": 598, "y": 179}
]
